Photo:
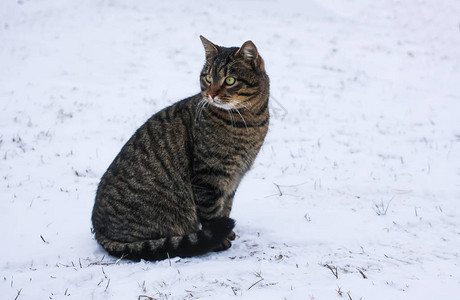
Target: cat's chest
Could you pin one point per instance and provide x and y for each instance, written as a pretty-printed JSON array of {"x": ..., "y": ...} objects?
[{"x": 222, "y": 145}]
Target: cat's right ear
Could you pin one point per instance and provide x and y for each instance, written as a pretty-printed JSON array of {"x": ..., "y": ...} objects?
[{"x": 210, "y": 49}]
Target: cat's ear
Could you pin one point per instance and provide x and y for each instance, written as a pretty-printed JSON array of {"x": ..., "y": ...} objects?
[
  {"x": 210, "y": 49},
  {"x": 249, "y": 52}
]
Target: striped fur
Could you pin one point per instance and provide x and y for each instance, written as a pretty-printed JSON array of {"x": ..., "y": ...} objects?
[{"x": 169, "y": 191}]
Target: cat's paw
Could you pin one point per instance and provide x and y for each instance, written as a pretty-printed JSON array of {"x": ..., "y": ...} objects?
[
  {"x": 232, "y": 236},
  {"x": 224, "y": 246}
]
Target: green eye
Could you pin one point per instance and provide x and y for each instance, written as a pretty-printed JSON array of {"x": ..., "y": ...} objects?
[
  {"x": 230, "y": 80},
  {"x": 209, "y": 78}
]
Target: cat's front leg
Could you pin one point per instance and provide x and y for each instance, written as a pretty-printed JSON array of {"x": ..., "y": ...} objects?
[
  {"x": 211, "y": 205},
  {"x": 228, "y": 202}
]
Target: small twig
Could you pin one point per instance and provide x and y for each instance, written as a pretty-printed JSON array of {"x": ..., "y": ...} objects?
[
  {"x": 292, "y": 185},
  {"x": 234, "y": 290},
  {"x": 258, "y": 274},
  {"x": 19, "y": 293},
  {"x": 121, "y": 258},
  {"x": 349, "y": 296},
  {"x": 279, "y": 189},
  {"x": 43, "y": 239},
  {"x": 339, "y": 291},
  {"x": 100, "y": 263},
  {"x": 255, "y": 283},
  {"x": 103, "y": 256},
  {"x": 362, "y": 273},
  {"x": 381, "y": 209},
  {"x": 108, "y": 282},
  {"x": 280, "y": 192},
  {"x": 144, "y": 289},
  {"x": 169, "y": 258},
  {"x": 144, "y": 296},
  {"x": 333, "y": 270}
]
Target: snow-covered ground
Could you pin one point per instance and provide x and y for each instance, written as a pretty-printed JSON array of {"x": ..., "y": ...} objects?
[{"x": 355, "y": 194}]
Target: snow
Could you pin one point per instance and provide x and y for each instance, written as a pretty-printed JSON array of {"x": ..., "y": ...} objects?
[{"x": 359, "y": 174}]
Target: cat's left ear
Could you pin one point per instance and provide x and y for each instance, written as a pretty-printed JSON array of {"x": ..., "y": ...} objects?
[
  {"x": 210, "y": 49},
  {"x": 249, "y": 52}
]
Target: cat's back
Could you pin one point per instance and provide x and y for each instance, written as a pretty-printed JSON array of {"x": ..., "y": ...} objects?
[
  {"x": 159, "y": 141},
  {"x": 155, "y": 159}
]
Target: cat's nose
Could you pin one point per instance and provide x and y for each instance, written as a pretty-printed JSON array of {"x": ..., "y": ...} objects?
[{"x": 212, "y": 96}]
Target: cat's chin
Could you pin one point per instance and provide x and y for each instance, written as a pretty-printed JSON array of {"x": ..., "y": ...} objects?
[{"x": 221, "y": 104}]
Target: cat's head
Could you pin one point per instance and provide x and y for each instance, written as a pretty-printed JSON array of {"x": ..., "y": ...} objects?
[{"x": 233, "y": 77}]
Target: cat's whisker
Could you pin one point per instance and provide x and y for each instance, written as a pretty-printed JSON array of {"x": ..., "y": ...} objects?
[
  {"x": 206, "y": 103},
  {"x": 200, "y": 107},
  {"x": 265, "y": 94},
  {"x": 241, "y": 116},
  {"x": 197, "y": 112},
  {"x": 248, "y": 108},
  {"x": 232, "y": 119}
]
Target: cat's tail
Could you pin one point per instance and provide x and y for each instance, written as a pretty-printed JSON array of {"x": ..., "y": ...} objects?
[{"x": 209, "y": 238}]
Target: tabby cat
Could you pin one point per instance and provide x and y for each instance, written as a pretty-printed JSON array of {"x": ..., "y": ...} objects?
[{"x": 170, "y": 190}]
